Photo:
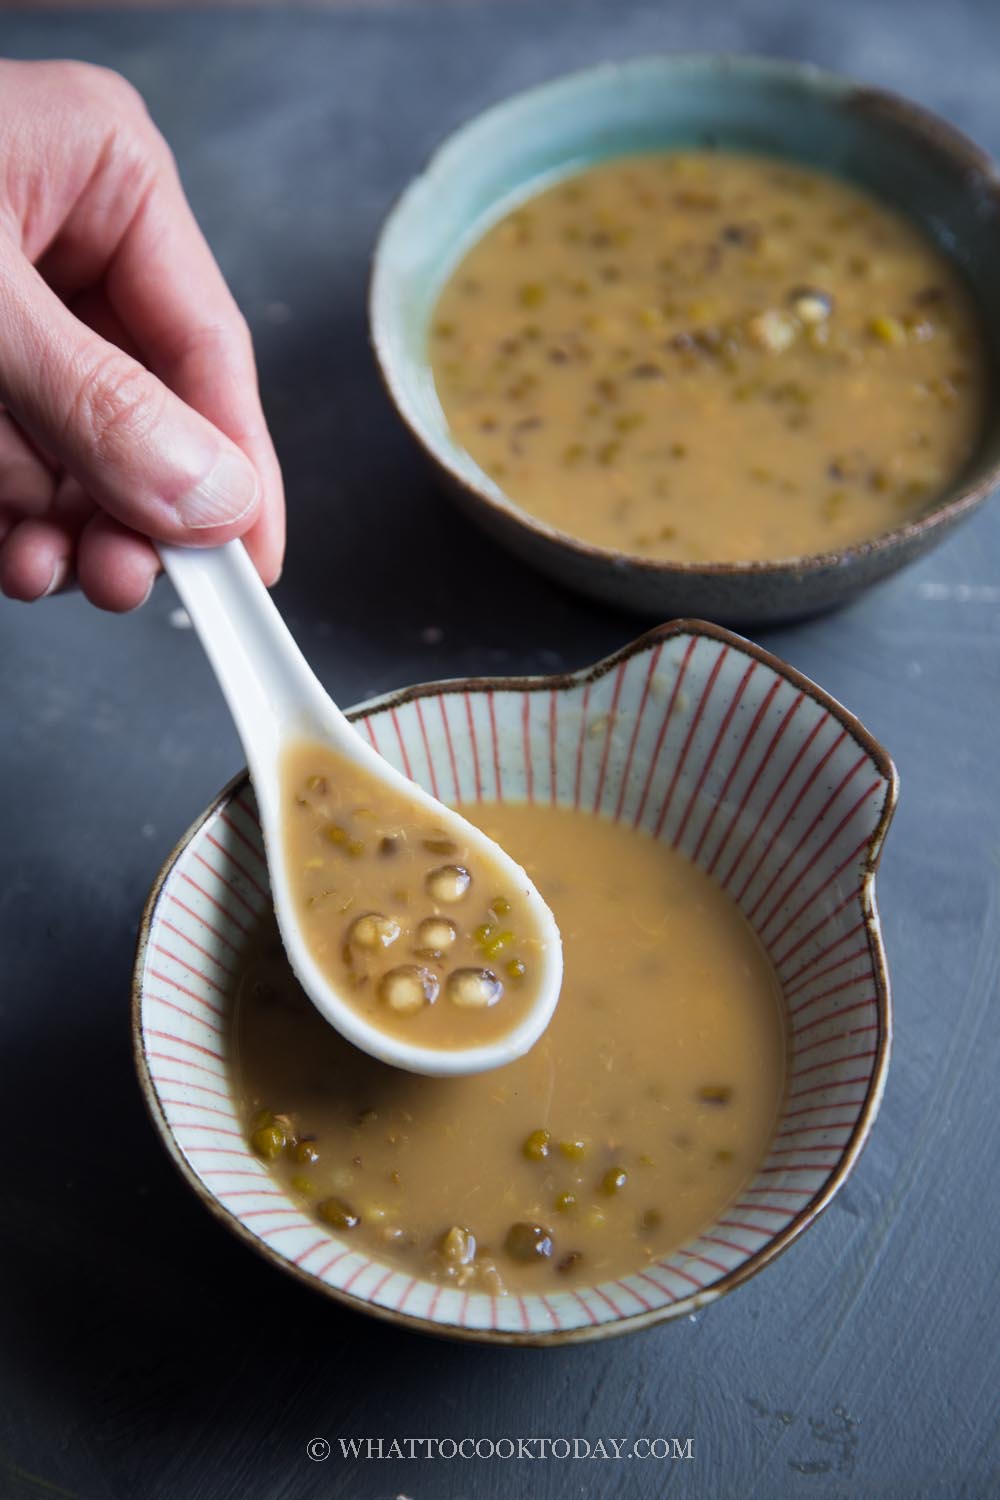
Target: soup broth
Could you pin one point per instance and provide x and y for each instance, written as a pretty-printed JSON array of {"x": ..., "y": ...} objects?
[
  {"x": 706, "y": 356},
  {"x": 646, "y": 1106},
  {"x": 424, "y": 941}
]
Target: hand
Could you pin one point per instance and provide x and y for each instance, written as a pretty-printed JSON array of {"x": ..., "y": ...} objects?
[{"x": 130, "y": 406}]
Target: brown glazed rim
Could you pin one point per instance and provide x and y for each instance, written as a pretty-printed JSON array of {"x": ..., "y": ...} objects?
[
  {"x": 561, "y": 681},
  {"x": 932, "y": 132}
]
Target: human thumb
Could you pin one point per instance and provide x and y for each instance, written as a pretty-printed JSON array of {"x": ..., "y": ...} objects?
[{"x": 150, "y": 460}]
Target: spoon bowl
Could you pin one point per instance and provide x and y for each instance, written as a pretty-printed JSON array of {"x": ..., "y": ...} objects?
[{"x": 277, "y": 701}]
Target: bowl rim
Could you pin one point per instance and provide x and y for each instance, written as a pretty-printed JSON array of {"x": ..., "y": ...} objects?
[
  {"x": 868, "y": 1108},
  {"x": 966, "y": 156}
]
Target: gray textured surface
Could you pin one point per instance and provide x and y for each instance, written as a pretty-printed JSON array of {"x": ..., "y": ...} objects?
[{"x": 145, "y": 1354}]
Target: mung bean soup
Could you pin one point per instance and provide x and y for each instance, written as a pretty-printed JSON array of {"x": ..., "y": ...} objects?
[
  {"x": 705, "y": 356},
  {"x": 646, "y": 1106},
  {"x": 425, "y": 941}
]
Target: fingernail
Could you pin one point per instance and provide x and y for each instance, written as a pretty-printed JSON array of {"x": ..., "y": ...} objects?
[
  {"x": 59, "y": 573},
  {"x": 226, "y": 494},
  {"x": 144, "y": 599}
]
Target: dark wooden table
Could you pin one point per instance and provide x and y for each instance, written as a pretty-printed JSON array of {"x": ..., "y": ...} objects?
[{"x": 145, "y": 1354}]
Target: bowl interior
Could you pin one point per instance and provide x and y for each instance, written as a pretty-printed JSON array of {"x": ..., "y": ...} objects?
[
  {"x": 690, "y": 734},
  {"x": 897, "y": 151}
]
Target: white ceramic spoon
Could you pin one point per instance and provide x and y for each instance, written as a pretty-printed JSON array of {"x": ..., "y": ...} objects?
[{"x": 275, "y": 699}]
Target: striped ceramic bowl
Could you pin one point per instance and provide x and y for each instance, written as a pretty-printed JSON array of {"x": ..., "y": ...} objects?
[{"x": 690, "y": 733}]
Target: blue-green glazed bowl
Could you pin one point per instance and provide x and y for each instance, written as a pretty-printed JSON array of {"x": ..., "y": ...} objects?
[{"x": 902, "y": 153}]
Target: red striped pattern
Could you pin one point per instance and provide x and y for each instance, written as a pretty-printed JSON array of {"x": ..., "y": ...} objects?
[
  {"x": 709, "y": 761},
  {"x": 581, "y": 745},
  {"x": 431, "y": 769},
  {"x": 661, "y": 734},
  {"x": 692, "y": 739},
  {"x": 495, "y": 744},
  {"x": 778, "y": 829},
  {"x": 404, "y": 754},
  {"x": 647, "y": 682},
  {"x": 689, "y": 739},
  {"x": 609, "y": 734}
]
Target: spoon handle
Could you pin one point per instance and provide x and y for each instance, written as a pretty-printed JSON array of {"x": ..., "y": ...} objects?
[
  {"x": 275, "y": 698},
  {"x": 269, "y": 686}
]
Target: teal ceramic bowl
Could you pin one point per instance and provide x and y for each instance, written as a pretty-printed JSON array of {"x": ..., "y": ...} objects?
[{"x": 897, "y": 150}]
